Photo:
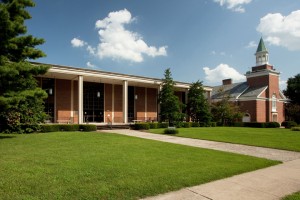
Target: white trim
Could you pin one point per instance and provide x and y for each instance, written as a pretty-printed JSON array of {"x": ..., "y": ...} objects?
[
  {"x": 125, "y": 101},
  {"x": 80, "y": 99},
  {"x": 263, "y": 91},
  {"x": 242, "y": 93}
]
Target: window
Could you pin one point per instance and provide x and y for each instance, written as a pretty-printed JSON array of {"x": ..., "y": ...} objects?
[{"x": 274, "y": 103}]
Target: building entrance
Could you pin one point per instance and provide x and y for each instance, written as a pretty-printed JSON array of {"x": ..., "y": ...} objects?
[{"x": 93, "y": 102}]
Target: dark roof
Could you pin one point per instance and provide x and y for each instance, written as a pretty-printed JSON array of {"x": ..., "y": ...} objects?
[
  {"x": 233, "y": 90},
  {"x": 261, "y": 46},
  {"x": 253, "y": 92}
]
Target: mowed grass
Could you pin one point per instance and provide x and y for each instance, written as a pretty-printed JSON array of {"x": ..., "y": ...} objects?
[
  {"x": 75, "y": 165},
  {"x": 295, "y": 196},
  {"x": 277, "y": 138}
]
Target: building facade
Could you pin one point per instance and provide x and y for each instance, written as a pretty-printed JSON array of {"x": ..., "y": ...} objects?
[
  {"x": 260, "y": 97},
  {"x": 90, "y": 96}
]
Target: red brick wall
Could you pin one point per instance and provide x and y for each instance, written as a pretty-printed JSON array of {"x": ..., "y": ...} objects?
[
  {"x": 108, "y": 103},
  {"x": 261, "y": 107},
  {"x": 258, "y": 81},
  {"x": 151, "y": 104},
  {"x": 249, "y": 107},
  {"x": 140, "y": 103},
  {"x": 118, "y": 103},
  {"x": 63, "y": 99}
]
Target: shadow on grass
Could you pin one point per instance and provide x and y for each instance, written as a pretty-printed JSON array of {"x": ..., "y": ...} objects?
[{"x": 6, "y": 137}]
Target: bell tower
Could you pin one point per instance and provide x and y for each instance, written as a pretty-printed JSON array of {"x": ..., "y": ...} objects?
[{"x": 262, "y": 54}]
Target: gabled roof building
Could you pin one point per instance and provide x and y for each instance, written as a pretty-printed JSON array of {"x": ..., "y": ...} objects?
[{"x": 259, "y": 97}]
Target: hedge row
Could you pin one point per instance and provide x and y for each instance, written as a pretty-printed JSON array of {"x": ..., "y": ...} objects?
[
  {"x": 295, "y": 128},
  {"x": 289, "y": 124},
  {"x": 67, "y": 127},
  {"x": 154, "y": 125}
]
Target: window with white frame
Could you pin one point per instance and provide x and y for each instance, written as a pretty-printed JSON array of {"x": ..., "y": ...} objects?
[{"x": 274, "y": 106}]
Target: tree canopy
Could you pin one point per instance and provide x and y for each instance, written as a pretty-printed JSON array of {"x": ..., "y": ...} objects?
[
  {"x": 198, "y": 106},
  {"x": 21, "y": 101},
  {"x": 293, "y": 93},
  {"x": 169, "y": 103}
]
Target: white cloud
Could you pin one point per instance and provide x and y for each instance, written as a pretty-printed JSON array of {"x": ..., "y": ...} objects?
[
  {"x": 234, "y": 5},
  {"x": 222, "y": 71},
  {"x": 251, "y": 44},
  {"x": 77, "y": 42},
  {"x": 281, "y": 30},
  {"x": 117, "y": 42},
  {"x": 89, "y": 64}
]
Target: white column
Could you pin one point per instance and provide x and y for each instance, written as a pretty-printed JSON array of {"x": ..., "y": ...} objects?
[
  {"x": 80, "y": 99},
  {"x": 125, "y": 102}
]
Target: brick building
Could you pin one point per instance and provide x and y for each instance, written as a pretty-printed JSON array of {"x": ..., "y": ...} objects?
[
  {"x": 259, "y": 97},
  {"x": 82, "y": 95}
]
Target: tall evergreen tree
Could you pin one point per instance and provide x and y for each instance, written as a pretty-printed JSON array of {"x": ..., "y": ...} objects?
[
  {"x": 198, "y": 106},
  {"x": 21, "y": 101},
  {"x": 169, "y": 102}
]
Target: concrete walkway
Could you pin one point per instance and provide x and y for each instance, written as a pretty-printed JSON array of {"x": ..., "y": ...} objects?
[{"x": 269, "y": 183}]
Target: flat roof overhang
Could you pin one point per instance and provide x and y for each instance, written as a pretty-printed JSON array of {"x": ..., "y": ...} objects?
[{"x": 98, "y": 76}]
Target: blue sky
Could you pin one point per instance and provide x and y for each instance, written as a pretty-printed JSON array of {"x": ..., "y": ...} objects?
[{"x": 199, "y": 40}]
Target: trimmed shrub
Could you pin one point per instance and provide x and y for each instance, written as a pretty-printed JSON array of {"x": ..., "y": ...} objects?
[
  {"x": 178, "y": 124},
  {"x": 171, "y": 131},
  {"x": 163, "y": 125},
  {"x": 288, "y": 124},
  {"x": 45, "y": 128},
  {"x": 195, "y": 124},
  {"x": 213, "y": 124},
  {"x": 254, "y": 124},
  {"x": 186, "y": 124},
  {"x": 272, "y": 125},
  {"x": 238, "y": 124},
  {"x": 141, "y": 126},
  {"x": 202, "y": 124},
  {"x": 153, "y": 125},
  {"x": 69, "y": 127},
  {"x": 295, "y": 128},
  {"x": 87, "y": 127}
]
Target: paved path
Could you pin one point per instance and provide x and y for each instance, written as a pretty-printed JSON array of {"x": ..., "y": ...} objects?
[{"x": 266, "y": 184}]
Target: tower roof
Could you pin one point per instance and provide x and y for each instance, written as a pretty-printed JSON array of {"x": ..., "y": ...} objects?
[{"x": 261, "y": 46}]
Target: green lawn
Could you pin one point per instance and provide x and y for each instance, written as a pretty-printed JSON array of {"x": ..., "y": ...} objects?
[
  {"x": 277, "y": 138},
  {"x": 295, "y": 196},
  {"x": 75, "y": 165}
]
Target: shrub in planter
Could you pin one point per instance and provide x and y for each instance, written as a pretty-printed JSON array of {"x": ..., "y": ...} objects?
[
  {"x": 195, "y": 124},
  {"x": 87, "y": 127},
  {"x": 295, "y": 128},
  {"x": 153, "y": 125},
  {"x": 171, "y": 131},
  {"x": 141, "y": 126},
  {"x": 288, "y": 124},
  {"x": 163, "y": 125}
]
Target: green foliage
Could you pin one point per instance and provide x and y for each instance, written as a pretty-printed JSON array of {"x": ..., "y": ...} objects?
[
  {"x": 21, "y": 101},
  {"x": 195, "y": 124},
  {"x": 293, "y": 89},
  {"x": 213, "y": 124},
  {"x": 163, "y": 125},
  {"x": 153, "y": 125},
  {"x": 69, "y": 127},
  {"x": 182, "y": 124},
  {"x": 272, "y": 125},
  {"x": 141, "y": 126},
  {"x": 225, "y": 111},
  {"x": 295, "y": 128},
  {"x": 254, "y": 124},
  {"x": 46, "y": 128},
  {"x": 288, "y": 124},
  {"x": 171, "y": 131},
  {"x": 169, "y": 102},
  {"x": 198, "y": 106},
  {"x": 87, "y": 127}
]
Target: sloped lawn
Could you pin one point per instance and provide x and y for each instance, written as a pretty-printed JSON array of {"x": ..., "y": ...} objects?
[
  {"x": 277, "y": 138},
  {"x": 75, "y": 165}
]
